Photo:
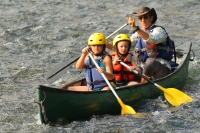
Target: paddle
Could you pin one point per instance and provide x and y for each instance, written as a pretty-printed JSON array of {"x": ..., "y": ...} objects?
[
  {"x": 125, "y": 108},
  {"x": 117, "y": 30},
  {"x": 173, "y": 96},
  {"x": 60, "y": 69}
]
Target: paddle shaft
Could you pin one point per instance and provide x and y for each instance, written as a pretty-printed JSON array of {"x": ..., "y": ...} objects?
[
  {"x": 117, "y": 30},
  {"x": 103, "y": 75}
]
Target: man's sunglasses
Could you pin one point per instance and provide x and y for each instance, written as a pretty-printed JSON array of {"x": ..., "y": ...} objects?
[{"x": 145, "y": 17}]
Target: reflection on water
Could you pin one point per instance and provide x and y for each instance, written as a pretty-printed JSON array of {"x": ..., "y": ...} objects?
[{"x": 37, "y": 35}]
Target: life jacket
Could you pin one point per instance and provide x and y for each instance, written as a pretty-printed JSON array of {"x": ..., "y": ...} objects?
[
  {"x": 164, "y": 51},
  {"x": 122, "y": 73},
  {"x": 94, "y": 79}
]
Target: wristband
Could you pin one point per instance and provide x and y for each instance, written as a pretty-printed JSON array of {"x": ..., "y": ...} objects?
[{"x": 138, "y": 28}]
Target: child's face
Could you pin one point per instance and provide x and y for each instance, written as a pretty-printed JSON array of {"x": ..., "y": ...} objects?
[
  {"x": 123, "y": 47},
  {"x": 97, "y": 49}
]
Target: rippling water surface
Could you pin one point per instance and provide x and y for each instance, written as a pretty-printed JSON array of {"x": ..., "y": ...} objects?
[{"x": 36, "y": 35}]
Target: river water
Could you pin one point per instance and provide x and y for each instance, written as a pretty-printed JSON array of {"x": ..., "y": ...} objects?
[{"x": 35, "y": 35}]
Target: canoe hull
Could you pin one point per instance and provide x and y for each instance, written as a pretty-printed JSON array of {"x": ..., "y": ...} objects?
[{"x": 71, "y": 105}]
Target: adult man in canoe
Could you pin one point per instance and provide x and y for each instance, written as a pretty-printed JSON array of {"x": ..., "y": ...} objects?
[{"x": 154, "y": 48}]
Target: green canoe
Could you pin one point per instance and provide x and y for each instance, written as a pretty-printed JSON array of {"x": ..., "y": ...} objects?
[{"x": 58, "y": 104}]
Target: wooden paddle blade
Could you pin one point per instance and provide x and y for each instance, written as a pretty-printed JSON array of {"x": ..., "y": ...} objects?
[
  {"x": 125, "y": 108},
  {"x": 175, "y": 96}
]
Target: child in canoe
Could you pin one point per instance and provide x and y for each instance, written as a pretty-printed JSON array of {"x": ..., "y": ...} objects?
[
  {"x": 123, "y": 76},
  {"x": 94, "y": 79}
]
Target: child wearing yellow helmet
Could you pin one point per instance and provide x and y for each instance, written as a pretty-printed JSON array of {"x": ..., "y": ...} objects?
[
  {"x": 94, "y": 79},
  {"x": 123, "y": 76}
]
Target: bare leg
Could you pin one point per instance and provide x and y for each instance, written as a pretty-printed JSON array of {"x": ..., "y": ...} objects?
[
  {"x": 144, "y": 80},
  {"x": 132, "y": 83},
  {"x": 105, "y": 88},
  {"x": 78, "y": 88}
]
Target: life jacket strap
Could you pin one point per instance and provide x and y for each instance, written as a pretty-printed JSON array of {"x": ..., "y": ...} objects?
[
  {"x": 165, "y": 48},
  {"x": 90, "y": 66},
  {"x": 96, "y": 82},
  {"x": 158, "y": 47}
]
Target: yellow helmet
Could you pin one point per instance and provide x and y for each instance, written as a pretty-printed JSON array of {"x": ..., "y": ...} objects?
[
  {"x": 97, "y": 39},
  {"x": 121, "y": 37}
]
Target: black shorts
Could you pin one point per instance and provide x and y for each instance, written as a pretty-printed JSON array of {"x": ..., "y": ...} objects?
[{"x": 155, "y": 69}]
